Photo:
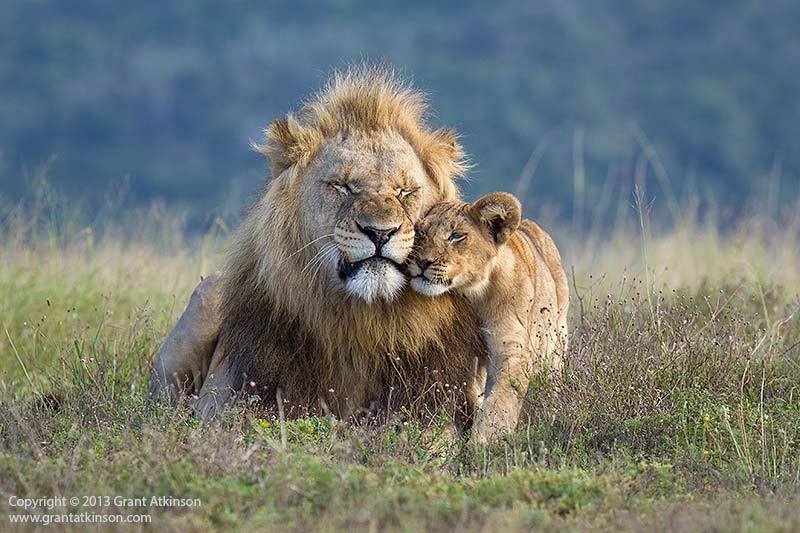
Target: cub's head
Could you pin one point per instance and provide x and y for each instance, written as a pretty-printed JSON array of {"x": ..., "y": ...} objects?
[{"x": 456, "y": 243}]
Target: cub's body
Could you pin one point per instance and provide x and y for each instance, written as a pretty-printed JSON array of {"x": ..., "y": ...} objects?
[
  {"x": 511, "y": 272},
  {"x": 523, "y": 312}
]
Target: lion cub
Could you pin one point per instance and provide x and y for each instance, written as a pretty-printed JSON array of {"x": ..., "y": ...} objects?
[{"x": 511, "y": 271}]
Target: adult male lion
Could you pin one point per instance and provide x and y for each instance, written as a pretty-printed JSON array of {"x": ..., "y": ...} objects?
[{"x": 312, "y": 306}]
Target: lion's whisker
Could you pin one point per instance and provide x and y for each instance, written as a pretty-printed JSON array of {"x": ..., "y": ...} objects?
[
  {"x": 313, "y": 260},
  {"x": 304, "y": 247},
  {"x": 321, "y": 253},
  {"x": 321, "y": 262}
]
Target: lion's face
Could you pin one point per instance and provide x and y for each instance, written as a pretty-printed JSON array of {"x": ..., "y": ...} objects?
[
  {"x": 361, "y": 196},
  {"x": 352, "y": 171}
]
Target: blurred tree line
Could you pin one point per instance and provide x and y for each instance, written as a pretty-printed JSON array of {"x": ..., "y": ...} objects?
[{"x": 568, "y": 103}]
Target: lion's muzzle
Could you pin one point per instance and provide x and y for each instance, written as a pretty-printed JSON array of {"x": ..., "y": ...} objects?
[{"x": 370, "y": 258}]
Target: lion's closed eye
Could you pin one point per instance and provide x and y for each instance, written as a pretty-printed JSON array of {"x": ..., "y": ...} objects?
[
  {"x": 340, "y": 187},
  {"x": 407, "y": 192}
]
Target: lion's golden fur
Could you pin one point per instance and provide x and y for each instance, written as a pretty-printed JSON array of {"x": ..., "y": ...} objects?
[{"x": 285, "y": 328}]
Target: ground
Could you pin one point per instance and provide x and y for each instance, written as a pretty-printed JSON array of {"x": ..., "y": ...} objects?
[{"x": 679, "y": 408}]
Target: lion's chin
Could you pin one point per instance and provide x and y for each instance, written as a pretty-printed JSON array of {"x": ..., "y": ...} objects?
[
  {"x": 373, "y": 279},
  {"x": 428, "y": 287}
]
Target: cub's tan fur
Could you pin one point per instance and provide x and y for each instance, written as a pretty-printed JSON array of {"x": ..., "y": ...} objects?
[
  {"x": 511, "y": 272},
  {"x": 313, "y": 302}
]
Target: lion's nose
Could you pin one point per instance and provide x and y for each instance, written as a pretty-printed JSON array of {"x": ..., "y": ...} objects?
[{"x": 379, "y": 236}]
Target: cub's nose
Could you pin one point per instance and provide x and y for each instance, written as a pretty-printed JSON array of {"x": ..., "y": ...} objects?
[
  {"x": 378, "y": 236},
  {"x": 423, "y": 265}
]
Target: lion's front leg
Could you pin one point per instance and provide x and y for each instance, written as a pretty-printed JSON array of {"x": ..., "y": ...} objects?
[
  {"x": 219, "y": 390},
  {"x": 181, "y": 366}
]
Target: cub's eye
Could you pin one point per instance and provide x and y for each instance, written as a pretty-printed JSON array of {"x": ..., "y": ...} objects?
[
  {"x": 341, "y": 187},
  {"x": 457, "y": 237},
  {"x": 406, "y": 192}
]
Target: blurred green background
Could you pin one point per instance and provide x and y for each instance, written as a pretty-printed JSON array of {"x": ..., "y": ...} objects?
[{"x": 567, "y": 103}]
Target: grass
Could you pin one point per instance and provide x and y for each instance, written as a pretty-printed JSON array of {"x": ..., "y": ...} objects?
[{"x": 679, "y": 408}]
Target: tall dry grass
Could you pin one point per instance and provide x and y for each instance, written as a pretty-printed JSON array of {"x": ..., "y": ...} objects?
[{"x": 681, "y": 385}]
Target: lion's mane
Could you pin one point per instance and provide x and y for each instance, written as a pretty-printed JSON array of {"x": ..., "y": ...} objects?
[{"x": 284, "y": 330}]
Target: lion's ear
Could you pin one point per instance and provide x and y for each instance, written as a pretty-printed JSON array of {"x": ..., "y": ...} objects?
[
  {"x": 287, "y": 142},
  {"x": 443, "y": 158},
  {"x": 500, "y": 213}
]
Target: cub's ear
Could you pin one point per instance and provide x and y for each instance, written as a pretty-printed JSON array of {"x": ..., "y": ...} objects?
[
  {"x": 500, "y": 213},
  {"x": 287, "y": 142}
]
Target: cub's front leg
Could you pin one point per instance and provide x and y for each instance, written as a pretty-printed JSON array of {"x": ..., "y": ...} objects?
[{"x": 508, "y": 371}]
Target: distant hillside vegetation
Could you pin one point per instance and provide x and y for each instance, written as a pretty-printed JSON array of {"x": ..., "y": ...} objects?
[{"x": 169, "y": 93}]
